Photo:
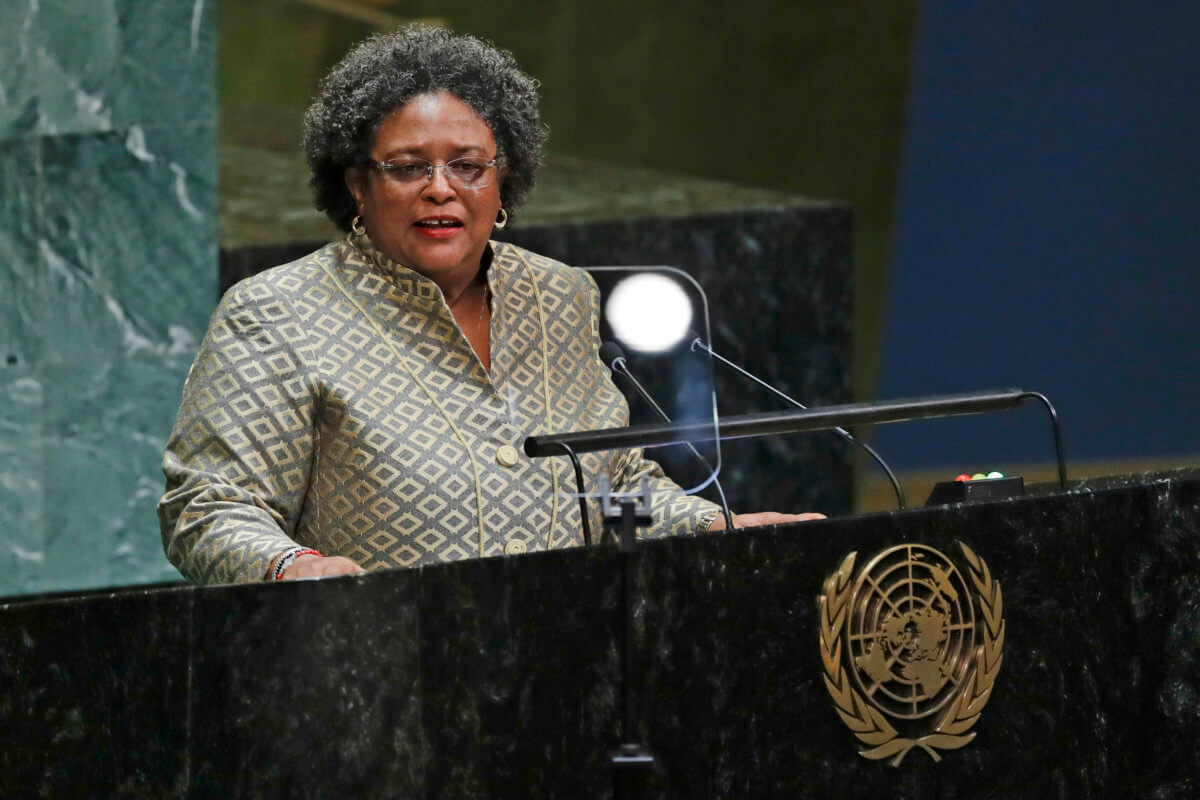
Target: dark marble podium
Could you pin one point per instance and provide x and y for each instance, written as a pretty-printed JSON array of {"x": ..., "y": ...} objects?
[{"x": 499, "y": 678}]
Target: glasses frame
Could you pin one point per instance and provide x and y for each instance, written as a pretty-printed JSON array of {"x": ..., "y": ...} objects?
[{"x": 386, "y": 167}]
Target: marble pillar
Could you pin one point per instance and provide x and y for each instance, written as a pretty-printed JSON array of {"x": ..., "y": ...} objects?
[{"x": 107, "y": 274}]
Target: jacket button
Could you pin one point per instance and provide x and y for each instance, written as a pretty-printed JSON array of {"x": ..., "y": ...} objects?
[
  {"x": 507, "y": 456},
  {"x": 514, "y": 547}
]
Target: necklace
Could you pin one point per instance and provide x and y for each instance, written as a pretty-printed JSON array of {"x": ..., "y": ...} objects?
[
  {"x": 485, "y": 301},
  {"x": 476, "y": 328}
]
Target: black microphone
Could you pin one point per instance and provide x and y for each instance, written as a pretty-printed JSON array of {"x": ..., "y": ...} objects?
[
  {"x": 699, "y": 344},
  {"x": 614, "y": 357}
]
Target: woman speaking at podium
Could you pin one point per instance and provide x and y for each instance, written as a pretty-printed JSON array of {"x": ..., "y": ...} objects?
[{"x": 364, "y": 406}]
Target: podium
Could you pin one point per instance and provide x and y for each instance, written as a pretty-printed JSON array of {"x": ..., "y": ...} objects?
[{"x": 498, "y": 677}]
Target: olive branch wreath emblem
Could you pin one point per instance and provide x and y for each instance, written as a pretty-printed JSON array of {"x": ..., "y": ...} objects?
[{"x": 869, "y": 725}]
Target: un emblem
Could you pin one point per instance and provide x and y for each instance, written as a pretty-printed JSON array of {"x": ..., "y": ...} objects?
[{"x": 908, "y": 662}]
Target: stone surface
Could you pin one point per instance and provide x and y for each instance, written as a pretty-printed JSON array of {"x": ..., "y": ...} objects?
[
  {"x": 501, "y": 677},
  {"x": 327, "y": 712},
  {"x": 107, "y": 254},
  {"x": 76, "y": 67},
  {"x": 166, "y": 73},
  {"x": 21, "y": 451},
  {"x": 102, "y": 683},
  {"x": 512, "y": 657}
]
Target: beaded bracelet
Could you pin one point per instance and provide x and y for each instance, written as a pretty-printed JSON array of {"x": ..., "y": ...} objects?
[{"x": 285, "y": 560}]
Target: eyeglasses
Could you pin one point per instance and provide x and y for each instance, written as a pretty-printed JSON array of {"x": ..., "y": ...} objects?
[{"x": 462, "y": 173}]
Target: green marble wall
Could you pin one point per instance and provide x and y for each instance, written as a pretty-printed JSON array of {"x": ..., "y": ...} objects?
[{"x": 107, "y": 275}]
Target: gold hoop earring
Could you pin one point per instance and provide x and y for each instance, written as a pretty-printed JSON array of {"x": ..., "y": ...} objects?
[
  {"x": 502, "y": 218},
  {"x": 357, "y": 227}
]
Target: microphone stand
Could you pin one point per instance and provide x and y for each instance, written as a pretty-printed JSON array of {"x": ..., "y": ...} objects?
[
  {"x": 623, "y": 513},
  {"x": 620, "y": 365},
  {"x": 813, "y": 419}
]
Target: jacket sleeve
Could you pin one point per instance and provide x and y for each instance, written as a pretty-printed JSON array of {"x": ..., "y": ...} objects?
[
  {"x": 675, "y": 513},
  {"x": 238, "y": 461}
]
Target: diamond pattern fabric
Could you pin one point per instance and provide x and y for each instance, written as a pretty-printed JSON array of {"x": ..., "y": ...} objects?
[{"x": 336, "y": 404}]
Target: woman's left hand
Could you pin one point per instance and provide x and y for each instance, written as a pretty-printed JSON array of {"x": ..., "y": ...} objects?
[{"x": 762, "y": 518}]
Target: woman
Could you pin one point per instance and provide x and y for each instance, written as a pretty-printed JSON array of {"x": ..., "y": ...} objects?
[{"x": 364, "y": 406}]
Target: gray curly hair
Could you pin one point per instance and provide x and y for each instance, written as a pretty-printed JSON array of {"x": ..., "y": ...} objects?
[{"x": 383, "y": 73}]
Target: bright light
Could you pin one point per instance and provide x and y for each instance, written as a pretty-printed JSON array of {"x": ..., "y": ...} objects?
[{"x": 649, "y": 313}]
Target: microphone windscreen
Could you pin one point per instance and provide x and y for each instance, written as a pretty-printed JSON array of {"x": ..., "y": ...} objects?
[{"x": 610, "y": 352}]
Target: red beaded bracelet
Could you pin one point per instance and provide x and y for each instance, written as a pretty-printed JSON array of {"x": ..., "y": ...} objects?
[{"x": 287, "y": 558}]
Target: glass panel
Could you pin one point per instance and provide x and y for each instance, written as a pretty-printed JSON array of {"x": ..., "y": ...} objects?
[
  {"x": 648, "y": 319},
  {"x": 653, "y": 313}
]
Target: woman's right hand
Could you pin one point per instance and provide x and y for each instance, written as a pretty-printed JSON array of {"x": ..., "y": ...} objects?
[{"x": 313, "y": 566}]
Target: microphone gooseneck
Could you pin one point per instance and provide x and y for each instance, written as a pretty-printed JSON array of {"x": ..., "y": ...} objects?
[
  {"x": 614, "y": 358},
  {"x": 698, "y": 343}
]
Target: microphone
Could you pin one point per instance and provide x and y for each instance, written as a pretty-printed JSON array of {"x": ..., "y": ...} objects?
[
  {"x": 699, "y": 344},
  {"x": 614, "y": 358}
]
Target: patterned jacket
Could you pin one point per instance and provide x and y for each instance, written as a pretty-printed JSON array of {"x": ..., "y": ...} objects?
[{"x": 336, "y": 404}]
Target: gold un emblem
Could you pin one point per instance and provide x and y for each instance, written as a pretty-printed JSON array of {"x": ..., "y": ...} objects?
[{"x": 908, "y": 661}]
